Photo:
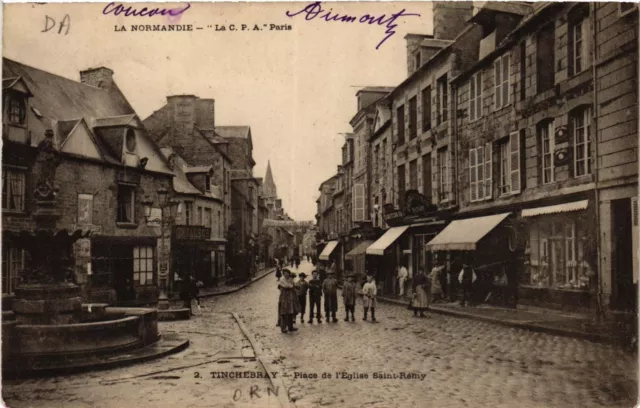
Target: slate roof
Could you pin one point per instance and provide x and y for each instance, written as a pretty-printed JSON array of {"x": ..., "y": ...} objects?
[
  {"x": 181, "y": 184},
  {"x": 63, "y": 103},
  {"x": 61, "y": 99}
]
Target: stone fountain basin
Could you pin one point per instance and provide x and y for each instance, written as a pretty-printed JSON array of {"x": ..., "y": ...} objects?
[{"x": 120, "y": 329}]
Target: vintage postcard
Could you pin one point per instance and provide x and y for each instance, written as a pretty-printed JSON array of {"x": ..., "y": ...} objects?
[{"x": 320, "y": 204}]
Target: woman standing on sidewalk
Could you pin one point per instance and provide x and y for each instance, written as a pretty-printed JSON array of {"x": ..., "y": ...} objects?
[
  {"x": 420, "y": 301},
  {"x": 288, "y": 305}
]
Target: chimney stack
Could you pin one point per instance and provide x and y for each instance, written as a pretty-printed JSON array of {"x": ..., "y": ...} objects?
[
  {"x": 450, "y": 18},
  {"x": 99, "y": 77},
  {"x": 183, "y": 112},
  {"x": 205, "y": 115}
]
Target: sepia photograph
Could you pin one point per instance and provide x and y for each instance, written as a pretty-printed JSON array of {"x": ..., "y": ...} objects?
[{"x": 320, "y": 204}]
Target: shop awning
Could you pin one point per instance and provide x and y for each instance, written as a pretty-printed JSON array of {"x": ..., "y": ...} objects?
[
  {"x": 463, "y": 235},
  {"x": 389, "y": 237},
  {"x": 328, "y": 249},
  {"x": 554, "y": 209},
  {"x": 358, "y": 250}
]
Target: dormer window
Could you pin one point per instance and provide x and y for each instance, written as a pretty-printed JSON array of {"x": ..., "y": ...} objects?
[
  {"x": 207, "y": 183},
  {"x": 17, "y": 110},
  {"x": 130, "y": 141}
]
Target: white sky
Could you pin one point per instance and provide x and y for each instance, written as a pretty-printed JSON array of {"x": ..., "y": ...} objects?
[{"x": 296, "y": 89}]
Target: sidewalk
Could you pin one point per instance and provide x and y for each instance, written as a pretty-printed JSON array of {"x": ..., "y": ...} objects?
[
  {"x": 540, "y": 320},
  {"x": 226, "y": 289}
]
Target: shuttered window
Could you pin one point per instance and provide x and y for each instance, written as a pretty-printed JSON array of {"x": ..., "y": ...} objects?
[
  {"x": 358, "y": 202},
  {"x": 581, "y": 129},
  {"x": 480, "y": 173},
  {"x": 501, "y": 81},
  {"x": 547, "y": 146},
  {"x": 475, "y": 97},
  {"x": 634, "y": 211},
  {"x": 514, "y": 161}
]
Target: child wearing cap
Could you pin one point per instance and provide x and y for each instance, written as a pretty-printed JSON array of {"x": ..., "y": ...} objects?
[
  {"x": 315, "y": 296},
  {"x": 301, "y": 287},
  {"x": 330, "y": 290},
  {"x": 349, "y": 298},
  {"x": 369, "y": 292}
]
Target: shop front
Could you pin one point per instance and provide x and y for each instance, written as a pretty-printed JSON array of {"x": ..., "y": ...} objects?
[
  {"x": 560, "y": 257},
  {"x": 482, "y": 243},
  {"x": 192, "y": 254},
  {"x": 328, "y": 256},
  {"x": 384, "y": 256},
  {"x": 123, "y": 270},
  {"x": 357, "y": 257}
]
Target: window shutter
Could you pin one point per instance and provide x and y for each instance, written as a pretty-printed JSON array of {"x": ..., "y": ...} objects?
[
  {"x": 358, "y": 202},
  {"x": 634, "y": 211},
  {"x": 480, "y": 172},
  {"x": 435, "y": 187},
  {"x": 506, "y": 72},
  {"x": 497, "y": 78},
  {"x": 479, "y": 95},
  {"x": 472, "y": 174},
  {"x": 449, "y": 174},
  {"x": 488, "y": 170},
  {"x": 514, "y": 146},
  {"x": 472, "y": 98}
]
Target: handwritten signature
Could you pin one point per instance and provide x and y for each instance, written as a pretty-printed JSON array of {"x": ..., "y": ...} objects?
[
  {"x": 315, "y": 10},
  {"x": 117, "y": 9}
]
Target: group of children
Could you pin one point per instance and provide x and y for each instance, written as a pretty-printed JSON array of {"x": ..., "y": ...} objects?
[{"x": 293, "y": 298}]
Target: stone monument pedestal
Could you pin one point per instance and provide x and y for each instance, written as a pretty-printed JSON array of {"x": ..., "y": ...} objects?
[{"x": 56, "y": 303}]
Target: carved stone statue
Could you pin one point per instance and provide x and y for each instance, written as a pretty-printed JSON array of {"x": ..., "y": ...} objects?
[{"x": 44, "y": 169}]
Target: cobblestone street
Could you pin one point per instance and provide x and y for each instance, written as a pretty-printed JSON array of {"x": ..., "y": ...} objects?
[{"x": 458, "y": 362}]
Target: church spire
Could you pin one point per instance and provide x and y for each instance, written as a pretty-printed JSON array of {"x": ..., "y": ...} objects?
[{"x": 269, "y": 186}]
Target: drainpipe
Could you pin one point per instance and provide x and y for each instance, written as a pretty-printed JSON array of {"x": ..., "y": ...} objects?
[{"x": 594, "y": 126}]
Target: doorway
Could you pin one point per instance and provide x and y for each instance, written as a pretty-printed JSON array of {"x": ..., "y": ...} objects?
[{"x": 624, "y": 289}]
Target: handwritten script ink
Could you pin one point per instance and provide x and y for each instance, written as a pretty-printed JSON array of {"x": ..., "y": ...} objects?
[
  {"x": 315, "y": 10},
  {"x": 117, "y": 9}
]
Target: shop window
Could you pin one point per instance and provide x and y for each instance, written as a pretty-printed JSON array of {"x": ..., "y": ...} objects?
[
  {"x": 475, "y": 97},
  {"x": 581, "y": 129},
  {"x": 13, "y": 263},
  {"x": 557, "y": 255},
  {"x": 143, "y": 261},
  {"x": 13, "y": 189},
  {"x": 126, "y": 204}
]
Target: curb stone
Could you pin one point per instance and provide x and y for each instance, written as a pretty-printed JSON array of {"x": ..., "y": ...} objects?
[{"x": 244, "y": 285}]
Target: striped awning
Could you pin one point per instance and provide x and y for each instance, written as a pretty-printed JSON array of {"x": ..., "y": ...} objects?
[
  {"x": 555, "y": 209},
  {"x": 328, "y": 249},
  {"x": 359, "y": 249},
  {"x": 389, "y": 237},
  {"x": 463, "y": 235}
]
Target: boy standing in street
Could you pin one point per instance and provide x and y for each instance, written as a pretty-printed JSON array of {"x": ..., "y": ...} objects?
[
  {"x": 315, "y": 295},
  {"x": 301, "y": 287},
  {"x": 330, "y": 290},
  {"x": 349, "y": 298}
]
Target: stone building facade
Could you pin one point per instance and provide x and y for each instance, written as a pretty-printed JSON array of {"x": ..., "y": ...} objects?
[{"x": 109, "y": 165}]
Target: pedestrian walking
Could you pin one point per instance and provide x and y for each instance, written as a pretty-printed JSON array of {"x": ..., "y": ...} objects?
[
  {"x": 369, "y": 292},
  {"x": 420, "y": 300},
  {"x": 287, "y": 303},
  {"x": 436, "y": 281},
  {"x": 297, "y": 262},
  {"x": 330, "y": 290},
  {"x": 403, "y": 274},
  {"x": 466, "y": 277},
  {"x": 315, "y": 297},
  {"x": 349, "y": 298},
  {"x": 302, "y": 286}
]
